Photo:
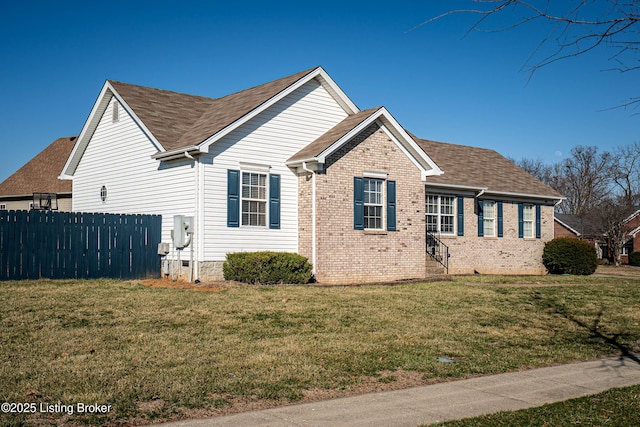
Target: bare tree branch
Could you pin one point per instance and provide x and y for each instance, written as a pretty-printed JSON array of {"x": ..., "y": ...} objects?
[{"x": 577, "y": 28}]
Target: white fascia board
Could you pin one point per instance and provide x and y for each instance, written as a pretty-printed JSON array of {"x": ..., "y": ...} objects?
[
  {"x": 633, "y": 232},
  {"x": 88, "y": 128},
  {"x": 342, "y": 99},
  {"x": 522, "y": 195},
  {"x": 338, "y": 94},
  {"x": 139, "y": 122},
  {"x": 630, "y": 217},
  {"x": 322, "y": 157},
  {"x": 90, "y": 125},
  {"x": 457, "y": 187},
  {"x": 183, "y": 152},
  {"x": 397, "y": 134}
]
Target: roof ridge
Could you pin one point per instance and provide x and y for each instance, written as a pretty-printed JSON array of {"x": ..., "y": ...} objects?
[
  {"x": 303, "y": 73},
  {"x": 169, "y": 92},
  {"x": 213, "y": 119}
]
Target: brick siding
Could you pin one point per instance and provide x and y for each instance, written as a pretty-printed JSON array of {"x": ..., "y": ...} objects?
[{"x": 346, "y": 255}]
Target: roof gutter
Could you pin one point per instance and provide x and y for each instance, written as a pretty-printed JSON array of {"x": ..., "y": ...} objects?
[
  {"x": 526, "y": 195},
  {"x": 181, "y": 153}
]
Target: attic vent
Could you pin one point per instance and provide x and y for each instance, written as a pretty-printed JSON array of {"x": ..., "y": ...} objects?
[{"x": 116, "y": 111}]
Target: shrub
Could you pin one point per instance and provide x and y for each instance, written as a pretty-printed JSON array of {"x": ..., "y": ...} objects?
[
  {"x": 267, "y": 268},
  {"x": 566, "y": 255},
  {"x": 634, "y": 259}
]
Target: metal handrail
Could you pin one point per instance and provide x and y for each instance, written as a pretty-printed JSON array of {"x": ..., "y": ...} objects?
[{"x": 437, "y": 250}]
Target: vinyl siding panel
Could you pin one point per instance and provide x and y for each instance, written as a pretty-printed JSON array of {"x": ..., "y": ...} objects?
[
  {"x": 118, "y": 156},
  {"x": 268, "y": 139}
]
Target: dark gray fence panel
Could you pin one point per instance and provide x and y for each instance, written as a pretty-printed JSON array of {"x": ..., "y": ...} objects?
[{"x": 68, "y": 245}]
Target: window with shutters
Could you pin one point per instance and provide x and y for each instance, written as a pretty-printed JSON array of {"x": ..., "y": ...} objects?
[
  {"x": 254, "y": 199},
  {"x": 373, "y": 219},
  {"x": 528, "y": 218},
  {"x": 440, "y": 214},
  {"x": 489, "y": 221},
  {"x": 374, "y": 203}
]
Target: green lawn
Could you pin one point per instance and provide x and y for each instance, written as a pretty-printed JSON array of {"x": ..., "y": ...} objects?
[
  {"x": 617, "y": 407},
  {"x": 156, "y": 354}
]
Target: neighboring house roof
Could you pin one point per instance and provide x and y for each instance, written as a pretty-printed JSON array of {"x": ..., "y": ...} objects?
[
  {"x": 570, "y": 222},
  {"x": 40, "y": 174},
  {"x": 482, "y": 169}
]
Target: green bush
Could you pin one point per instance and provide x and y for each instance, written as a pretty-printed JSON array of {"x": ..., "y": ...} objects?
[
  {"x": 267, "y": 268},
  {"x": 566, "y": 255},
  {"x": 634, "y": 259}
]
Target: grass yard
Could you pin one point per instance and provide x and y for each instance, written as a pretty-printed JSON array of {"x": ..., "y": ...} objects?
[
  {"x": 616, "y": 407},
  {"x": 157, "y": 354}
]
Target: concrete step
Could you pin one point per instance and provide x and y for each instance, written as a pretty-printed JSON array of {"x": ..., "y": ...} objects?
[{"x": 433, "y": 267}]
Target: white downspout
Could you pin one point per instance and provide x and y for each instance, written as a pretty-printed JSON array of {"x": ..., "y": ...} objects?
[{"x": 313, "y": 215}]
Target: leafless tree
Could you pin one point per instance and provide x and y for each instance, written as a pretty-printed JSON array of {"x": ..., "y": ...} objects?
[
  {"x": 575, "y": 27},
  {"x": 609, "y": 220},
  {"x": 584, "y": 179},
  {"x": 626, "y": 172},
  {"x": 536, "y": 168}
]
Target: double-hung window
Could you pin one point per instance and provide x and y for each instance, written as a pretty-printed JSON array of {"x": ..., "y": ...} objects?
[
  {"x": 440, "y": 213},
  {"x": 254, "y": 199},
  {"x": 528, "y": 219},
  {"x": 373, "y": 204},
  {"x": 489, "y": 220}
]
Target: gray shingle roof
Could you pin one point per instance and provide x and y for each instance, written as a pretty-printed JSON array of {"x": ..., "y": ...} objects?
[
  {"x": 178, "y": 120},
  {"x": 481, "y": 167},
  {"x": 40, "y": 174},
  {"x": 332, "y": 135}
]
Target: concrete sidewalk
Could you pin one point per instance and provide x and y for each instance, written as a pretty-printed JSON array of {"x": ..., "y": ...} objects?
[{"x": 446, "y": 401}]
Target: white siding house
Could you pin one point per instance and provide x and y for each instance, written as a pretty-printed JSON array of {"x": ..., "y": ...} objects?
[
  {"x": 293, "y": 165},
  {"x": 121, "y": 152}
]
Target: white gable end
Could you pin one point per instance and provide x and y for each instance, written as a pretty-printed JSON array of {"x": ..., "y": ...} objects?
[
  {"x": 118, "y": 157},
  {"x": 266, "y": 140}
]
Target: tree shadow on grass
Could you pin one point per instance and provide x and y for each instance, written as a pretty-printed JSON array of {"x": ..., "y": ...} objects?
[{"x": 612, "y": 340}]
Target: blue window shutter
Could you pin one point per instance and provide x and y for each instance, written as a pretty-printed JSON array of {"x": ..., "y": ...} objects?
[
  {"x": 480, "y": 219},
  {"x": 391, "y": 206},
  {"x": 520, "y": 220},
  {"x": 460, "y": 216},
  {"x": 233, "y": 198},
  {"x": 538, "y": 225},
  {"x": 358, "y": 203},
  {"x": 274, "y": 201},
  {"x": 500, "y": 221}
]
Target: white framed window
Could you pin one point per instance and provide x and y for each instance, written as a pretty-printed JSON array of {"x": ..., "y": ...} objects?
[
  {"x": 254, "y": 199},
  {"x": 373, "y": 204},
  {"x": 489, "y": 216},
  {"x": 440, "y": 213},
  {"x": 528, "y": 221}
]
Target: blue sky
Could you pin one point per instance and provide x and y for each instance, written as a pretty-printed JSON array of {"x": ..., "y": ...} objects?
[{"x": 437, "y": 82}]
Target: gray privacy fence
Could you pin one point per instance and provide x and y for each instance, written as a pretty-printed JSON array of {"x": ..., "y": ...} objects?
[{"x": 68, "y": 245}]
